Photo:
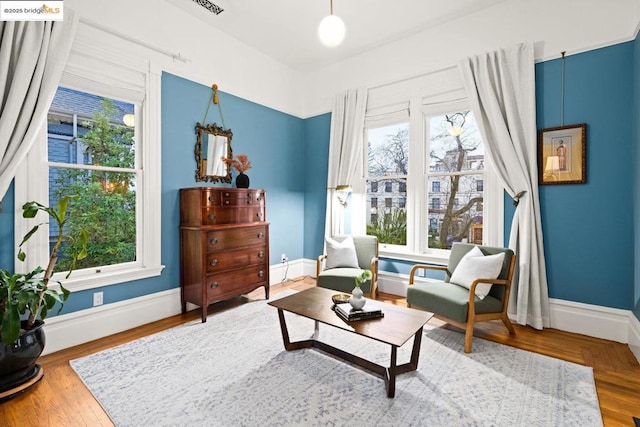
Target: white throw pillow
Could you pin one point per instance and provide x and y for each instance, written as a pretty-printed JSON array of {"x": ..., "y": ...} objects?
[
  {"x": 475, "y": 265},
  {"x": 341, "y": 254}
]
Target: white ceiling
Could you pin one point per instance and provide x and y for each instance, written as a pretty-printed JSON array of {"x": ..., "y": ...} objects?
[{"x": 287, "y": 29}]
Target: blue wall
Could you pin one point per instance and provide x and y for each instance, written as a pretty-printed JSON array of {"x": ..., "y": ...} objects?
[
  {"x": 316, "y": 159},
  {"x": 7, "y": 233},
  {"x": 636, "y": 169},
  {"x": 588, "y": 228}
]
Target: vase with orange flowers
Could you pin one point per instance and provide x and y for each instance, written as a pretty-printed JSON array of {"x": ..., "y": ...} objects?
[{"x": 241, "y": 163}]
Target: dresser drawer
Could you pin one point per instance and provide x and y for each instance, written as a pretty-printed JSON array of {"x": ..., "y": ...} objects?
[
  {"x": 237, "y": 237},
  {"x": 237, "y": 215},
  {"x": 236, "y": 258},
  {"x": 242, "y": 198},
  {"x": 229, "y": 283}
]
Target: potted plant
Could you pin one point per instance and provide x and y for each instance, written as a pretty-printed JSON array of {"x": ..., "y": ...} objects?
[
  {"x": 241, "y": 163},
  {"x": 25, "y": 301}
]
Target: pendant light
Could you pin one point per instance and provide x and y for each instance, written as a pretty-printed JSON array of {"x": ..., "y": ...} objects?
[{"x": 331, "y": 30}]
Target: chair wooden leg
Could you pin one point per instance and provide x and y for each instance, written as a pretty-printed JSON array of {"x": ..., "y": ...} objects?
[
  {"x": 468, "y": 336},
  {"x": 507, "y": 323}
]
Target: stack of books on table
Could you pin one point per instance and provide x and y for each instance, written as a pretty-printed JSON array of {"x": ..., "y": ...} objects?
[{"x": 350, "y": 314}]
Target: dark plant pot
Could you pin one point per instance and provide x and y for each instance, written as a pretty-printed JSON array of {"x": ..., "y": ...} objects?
[
  {"x": 242, "y": 181},
  {"x": 18, "y": 361}
]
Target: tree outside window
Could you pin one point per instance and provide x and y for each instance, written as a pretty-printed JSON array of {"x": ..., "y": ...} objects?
[
  {"x": 94, "y": 158},
  {"x": 387, "y": 153},
  {"x": 456, "y": 163}
]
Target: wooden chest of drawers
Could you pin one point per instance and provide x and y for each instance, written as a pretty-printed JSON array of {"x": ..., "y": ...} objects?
[{"x": 224, "y": 244}]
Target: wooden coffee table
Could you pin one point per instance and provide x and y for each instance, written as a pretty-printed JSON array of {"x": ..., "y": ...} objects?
[{"x": 395, "y": 328}]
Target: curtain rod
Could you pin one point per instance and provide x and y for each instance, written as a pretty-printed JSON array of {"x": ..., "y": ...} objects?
[{"x": 139, "y": 42}]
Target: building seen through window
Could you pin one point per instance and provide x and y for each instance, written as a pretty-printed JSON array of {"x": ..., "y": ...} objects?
[{"x": 451, "y": 196}]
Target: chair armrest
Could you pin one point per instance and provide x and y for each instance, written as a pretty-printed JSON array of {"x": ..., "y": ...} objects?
[
  {"x": 374, "y": 276},
  {"x": 475, "y": 283},
  {"x": 319, "y": 264},
  {"x": 417, "y": 267}
]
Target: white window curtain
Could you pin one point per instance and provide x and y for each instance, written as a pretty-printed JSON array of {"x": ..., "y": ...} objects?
[
  {"x": 32, "y": 57},
  {"x": 501, "y": 90},
  {"x": 345, "y": 152}
]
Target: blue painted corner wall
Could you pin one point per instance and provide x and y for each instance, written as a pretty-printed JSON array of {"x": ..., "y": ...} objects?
[{"x": 588, "y": 228}]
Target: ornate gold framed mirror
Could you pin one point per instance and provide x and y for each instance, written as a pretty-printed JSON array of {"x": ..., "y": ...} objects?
[{"x": 213, "y": 143}]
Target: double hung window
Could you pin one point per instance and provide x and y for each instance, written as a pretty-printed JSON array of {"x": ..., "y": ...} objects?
[
  {"x": 433, "y": 170},
  {"x": 97, "y": 145}
]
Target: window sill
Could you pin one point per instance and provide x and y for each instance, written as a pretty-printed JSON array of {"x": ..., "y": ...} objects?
[
  {"x": 82, "y": 283},
  {"x": 436, "y": 259}
]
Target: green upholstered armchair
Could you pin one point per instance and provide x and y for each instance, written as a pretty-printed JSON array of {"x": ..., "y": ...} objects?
[
  {"x": 342, "y": 278},
  {"x": 459, "y": 305}
]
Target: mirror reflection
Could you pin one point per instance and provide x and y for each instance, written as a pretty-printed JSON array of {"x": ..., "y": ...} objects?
[{"x": 213, "y": 144}]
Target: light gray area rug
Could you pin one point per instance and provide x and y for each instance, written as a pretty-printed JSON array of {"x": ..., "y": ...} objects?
[{"x": 233, "y": 370}]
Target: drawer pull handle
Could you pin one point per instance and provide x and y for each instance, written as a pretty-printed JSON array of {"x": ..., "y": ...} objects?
[
  {"x": 257, "y": 198},
  {"x": 212, "y": 216},
  {"x": 261, "y": 254},
  {"x": 226, "y": 202},
  {"x": 213, "y": 285},
  {"x": 226, "y": 194},
  {"x": 214, "y": 262},
  {"x": 259, "y": 214},
  {"x": 261, "y": 235},
  {"x": 211, "y": 198},
  {"x": 213, "y": 241},
  {"x": 248, "y": 201},
  {"x": 260, "y": 273}
]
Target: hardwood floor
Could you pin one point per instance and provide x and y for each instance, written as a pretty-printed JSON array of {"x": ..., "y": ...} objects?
[{"x": 61, "y": 399}]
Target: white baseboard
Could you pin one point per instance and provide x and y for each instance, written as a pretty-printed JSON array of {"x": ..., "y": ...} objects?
[
  {"x": 79, "y": 327},
  {"x": 281, "y": 272},
  {"x": 82, "y": 326},
  {"x": 592, "y": 320},
  {"x": 87, "y": 325},
  {"x": 634, "y": 335}
]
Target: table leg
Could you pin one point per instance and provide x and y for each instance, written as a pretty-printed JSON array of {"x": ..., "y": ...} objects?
[
  {"x": 288, "y": 345},
  {"x": 391, "y": 373}
]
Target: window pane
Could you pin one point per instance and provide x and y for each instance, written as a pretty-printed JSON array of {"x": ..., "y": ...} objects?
[
  {"x": 389, "y": 223},
  {"x": 455, "y": 216},
  {"x": 388, "y": 150},
  {"x": 455, "y": 143},
  {"x": 86, "y": 129},
  {"x": 106, "y": 208}
]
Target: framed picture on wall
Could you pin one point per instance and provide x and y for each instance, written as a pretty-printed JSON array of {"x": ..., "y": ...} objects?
[{"x": 562, "y": 155}]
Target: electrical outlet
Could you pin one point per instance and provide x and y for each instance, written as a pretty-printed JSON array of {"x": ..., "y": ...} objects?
[
  {"x": 98, "y": 298},
  {"x": 284, "y": 258}
]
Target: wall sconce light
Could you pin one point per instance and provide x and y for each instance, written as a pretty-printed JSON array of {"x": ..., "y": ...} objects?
[
  {"x": 331, "y": 30},
  {"x": 129, "y": 120}
]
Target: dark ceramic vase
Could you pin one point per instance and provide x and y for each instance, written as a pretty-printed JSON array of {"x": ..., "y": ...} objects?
[
  {"x": 18, "y": 360},
  {"x": 242, "y": 181}
]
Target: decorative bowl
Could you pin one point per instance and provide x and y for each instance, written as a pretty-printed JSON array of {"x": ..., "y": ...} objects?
[{"x": 340, "y": 298}]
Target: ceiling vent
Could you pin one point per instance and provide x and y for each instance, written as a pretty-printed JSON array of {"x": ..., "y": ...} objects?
[{"x": 213, "y": 8}]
